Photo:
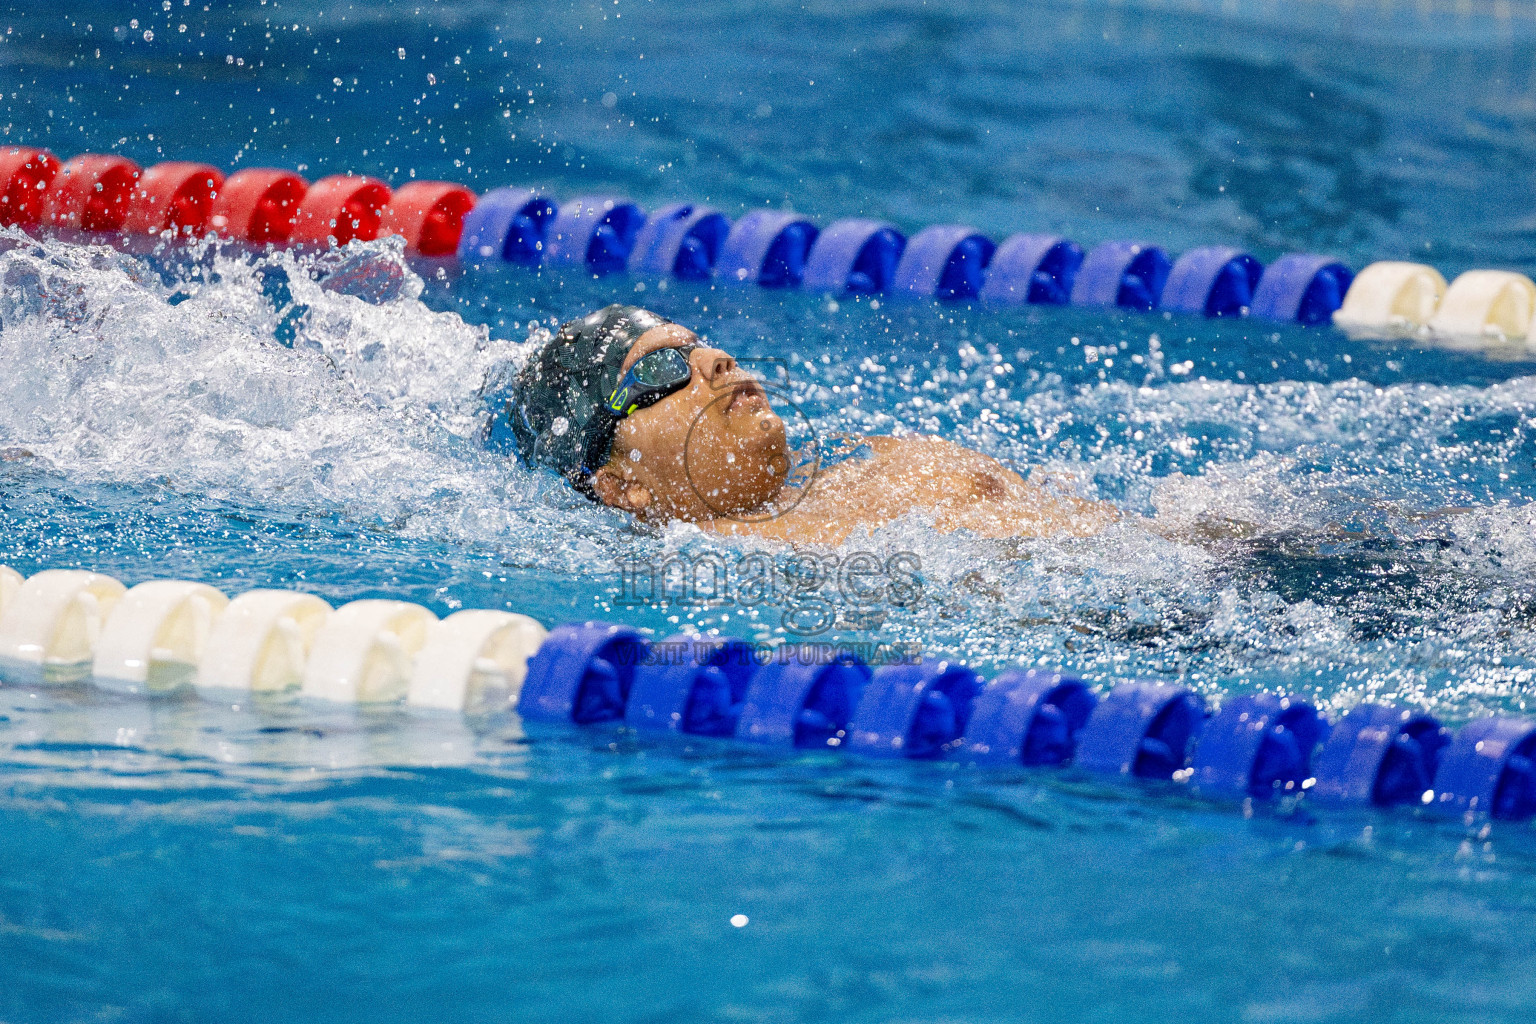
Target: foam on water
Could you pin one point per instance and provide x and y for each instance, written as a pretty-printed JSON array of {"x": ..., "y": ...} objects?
[
  {"x": 374, "y": 411},
  {"x": 127, "y": 379}
]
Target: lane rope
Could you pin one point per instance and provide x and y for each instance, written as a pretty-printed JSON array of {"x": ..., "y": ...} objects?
[
  {"x": 72, "y": 627},
  {"x": 109, "y": 195}
]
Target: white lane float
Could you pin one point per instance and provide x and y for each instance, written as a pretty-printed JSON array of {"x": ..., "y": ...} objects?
[
  {"x": 474, "y": 661},
  {"x": 261, "y": 643},
  {"x": 51, "y": 624},
  {"x": 365, "y": 652},
  {"x": 1391, "y": 298},
  {"x": 10, "y": 582},
  {"x": 156, "y": 635},
  {"x": 1485, "y": 307}
]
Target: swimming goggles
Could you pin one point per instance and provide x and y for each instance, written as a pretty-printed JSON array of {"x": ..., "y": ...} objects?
[{"x": 654, "y": 376}]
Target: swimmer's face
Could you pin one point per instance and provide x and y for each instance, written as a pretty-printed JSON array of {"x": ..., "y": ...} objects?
[{"x": 713, "y": 448}]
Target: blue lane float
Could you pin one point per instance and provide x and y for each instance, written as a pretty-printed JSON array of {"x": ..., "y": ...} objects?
[
  {"x": 865, "y": 256},
  {"x": 915, "y": 711},
  {"x": 767, "y": 248},
  {"x": 1489, "y": 767},
  {"x": 507, "y": 224},
  {"x": 1259, "y": 746},
  {"x": 582, "y": 674},
  {"x": 682, "y": 241},
  {"x": 1301, "y": 288},
  {"x": 1141, "y": 729},
  {"x": 1029, "y": 718},
  {"x": 1038, "y": 269},
  {"x": 803, "y": 705},
  {"x": 946, "y": 261},
  {"x": 1215, "y": 280},
  {"x": 691, "y": 685},
  {"x": 1130, "y": 275},
  {"x": 595, "y": 232},
  {"x": 854, "y": 256},
  {"x": 1381, "y": 755}
]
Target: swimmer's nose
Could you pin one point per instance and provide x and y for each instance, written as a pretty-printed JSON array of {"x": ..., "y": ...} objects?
[{"x": 712, "y": 362}]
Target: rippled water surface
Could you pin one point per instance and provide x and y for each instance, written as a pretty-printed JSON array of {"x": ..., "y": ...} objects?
[{"x": 1305, "y": 513}]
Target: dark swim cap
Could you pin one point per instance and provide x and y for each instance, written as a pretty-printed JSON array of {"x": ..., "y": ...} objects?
[{"x": 558, "y": 410}]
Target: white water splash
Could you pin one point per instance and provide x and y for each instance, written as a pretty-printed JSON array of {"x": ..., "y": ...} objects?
[{"x": 113, "y": 376}]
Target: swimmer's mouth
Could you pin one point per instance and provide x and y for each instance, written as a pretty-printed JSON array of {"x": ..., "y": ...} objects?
[{"x": 747, "y": 396}]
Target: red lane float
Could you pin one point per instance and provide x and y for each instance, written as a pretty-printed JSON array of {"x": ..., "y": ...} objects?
[
  {"x": 338, "y": 209},
  {"x": 430, "y": 215},
  {"x": 174, "y": 196},
  {"x": 258, "y": 205},
  {"x": 90, "y": 193},
  {"x": 25, "y": 175}
]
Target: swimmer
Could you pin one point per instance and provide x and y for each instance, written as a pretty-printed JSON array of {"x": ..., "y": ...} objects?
[{"x": 638, "y": 414}]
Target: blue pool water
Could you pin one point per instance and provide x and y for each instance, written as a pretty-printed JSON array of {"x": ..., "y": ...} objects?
[{"x": 1309, "y": 514}]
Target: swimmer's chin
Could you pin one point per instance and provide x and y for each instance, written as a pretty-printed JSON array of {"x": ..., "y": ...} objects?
[{"x": 758, "y": 427}]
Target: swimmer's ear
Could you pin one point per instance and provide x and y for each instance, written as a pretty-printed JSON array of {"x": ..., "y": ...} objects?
[{"x": 616, "y": 492}]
